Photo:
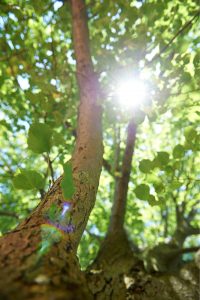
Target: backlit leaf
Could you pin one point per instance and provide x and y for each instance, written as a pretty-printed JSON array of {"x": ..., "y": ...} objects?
[
  {"x": 146, "y": 165},
  {"x": 28, "y": 179},
  {"x": 178, "y": 151},
  {"x": 39, "y": 138},
  {"x": 67, "y": 184},
  {"x": 142, "y": 191}
]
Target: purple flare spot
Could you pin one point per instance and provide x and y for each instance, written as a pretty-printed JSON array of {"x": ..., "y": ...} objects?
[
  {"x": 66, "y": 228},
  {"x": 66, "y": 207}
]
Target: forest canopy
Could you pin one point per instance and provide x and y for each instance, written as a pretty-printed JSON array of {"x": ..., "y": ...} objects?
[{"x": 146, "y": 56}]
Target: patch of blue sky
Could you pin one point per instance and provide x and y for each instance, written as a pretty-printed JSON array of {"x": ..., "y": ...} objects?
[
  {"x": 10, "y": 43},
  {"x": 47, "y": 18},
  {"x": 49, "y": 52},
  {"x": 137, "y": 4},
  {"x": 12, "y": 17},
  {"x": 40, "y": 65},
  {"x": 53, "y": 81},
  {"x": 49, "y": 40},
  {"x": 1, "y": 23},
  {"x": 23, "y": 82},
  {"x": 94, "y": 230},
  {"x": 23, "y": 123},
  {"x": 57, "y": 5},
  {"x": 117, "y": 16},
  {"x": 70, "y": 58}
]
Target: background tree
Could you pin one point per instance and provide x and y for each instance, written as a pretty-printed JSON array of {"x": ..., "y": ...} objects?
[{"x": 154, "y": 199}]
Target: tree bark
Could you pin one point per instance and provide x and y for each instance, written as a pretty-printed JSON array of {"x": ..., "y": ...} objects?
[
  {"x": 121, "y": 188},
  {"x": 116, "y": 254},
  {"x": 38, "y": 260}
]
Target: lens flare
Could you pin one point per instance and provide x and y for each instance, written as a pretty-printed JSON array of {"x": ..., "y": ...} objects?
[{"x": 131, "y": 93}]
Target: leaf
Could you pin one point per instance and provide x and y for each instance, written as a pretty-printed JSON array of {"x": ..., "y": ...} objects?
[
  {"x": 161, "y": 159},
  {"x": 67, "y": 183},
  {"x": 142, "y": 191},
  {"x": 158, "y": 186},
  {"x": 152, "y": 200},
  {"x": 146, "y": 166},
  {"x": 190, "y": 133},
  {"x": 176, "y": 185},
  {"x": 178, "y": 151},
  {"x": 57, "y": 139},
  {"x": 28, "y": 180},
  {"x": 196, "y": 60},
  {"x": 169, "y": 169},
  {"x": 39, "y": 138}
]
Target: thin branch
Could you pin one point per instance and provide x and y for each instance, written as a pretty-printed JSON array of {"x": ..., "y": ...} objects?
[
  {"x": 189, "y": 249},
  {"x": 193, "y": 212},
  {"x": 50, "y": 166},
  {"x": 9, "y": 214},
  {"x": 184, "y": 93},
  {"x": 185, "y": 26},
  {"x": 116, "y": 165},
  {"x": 107, "y": 166},
  {"x": 121, "y": 189},
  {"x": 193, "y": 231}
]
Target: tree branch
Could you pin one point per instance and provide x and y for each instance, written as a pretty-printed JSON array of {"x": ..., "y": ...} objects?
[
  {"x": 107, "y": 166},
  {"x": 121, "y": 190},
  {"x": 88, "y": 154},
  {"x": 9, "y": 214},
  {"x": 185, "y": 26}
]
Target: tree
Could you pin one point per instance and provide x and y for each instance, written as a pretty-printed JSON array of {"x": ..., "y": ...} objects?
[{"x": 38, "y": 257}]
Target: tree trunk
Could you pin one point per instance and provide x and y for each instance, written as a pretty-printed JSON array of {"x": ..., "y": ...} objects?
[
  {"x": 38, "y": 259},
  {"x": 137, "y": 284},
  {"x": 116, "y": 257}
]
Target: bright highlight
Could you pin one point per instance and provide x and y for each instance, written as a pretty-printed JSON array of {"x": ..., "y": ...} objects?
[{"x": 131, "y": 93}]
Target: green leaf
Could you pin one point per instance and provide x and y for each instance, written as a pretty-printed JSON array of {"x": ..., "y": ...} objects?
[
  {"x": 39, "y": 138},
  {"x": 158, "y": 186},
  {"x": 146, "y": 166},
  {"x": 176, "y": 185},
  {"x": 161, "y": 159},
  {"x": 152, "y": 200},
  {"x": 142, "y": 191},
  {"x": 196, "y": 60},
  {"x": 178, "y": 151},
  {"x": 57, "y": 139},
  {"x": 169, "y": 169},
  {"x": 28, "y": 180},
  {"x": 190, "y": 133},
  {"x": 67, "y": 184}
]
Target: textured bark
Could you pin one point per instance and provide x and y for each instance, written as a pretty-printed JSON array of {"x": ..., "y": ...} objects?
[
  {"x": 88, "y": 155},
  {"x": 116, "y": 256},
  {"x": 25, "y": 272},
  {"x": 134, "y": 283},
  {"x": 121, "y": 187}
]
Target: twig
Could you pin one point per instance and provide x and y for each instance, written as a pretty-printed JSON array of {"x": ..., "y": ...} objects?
[
  {"x": 172, "y": 39},
  {"x": 9, "y": 214}
]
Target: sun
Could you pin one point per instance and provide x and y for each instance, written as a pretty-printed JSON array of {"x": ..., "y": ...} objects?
[{"x": 131, "y": 93}]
